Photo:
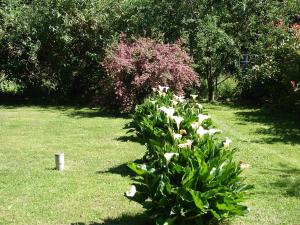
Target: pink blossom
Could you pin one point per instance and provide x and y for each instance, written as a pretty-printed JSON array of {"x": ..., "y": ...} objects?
[{"x": 135, "y": 68}]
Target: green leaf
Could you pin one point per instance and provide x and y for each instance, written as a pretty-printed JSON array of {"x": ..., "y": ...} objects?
[
  {"x": 215, "y": 214},
  {"x": 183, "y": 194},
  {"x": 137, "y": 169},
  {"x": 197, "y": 198}
]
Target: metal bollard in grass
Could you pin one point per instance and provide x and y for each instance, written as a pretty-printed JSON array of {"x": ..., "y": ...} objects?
[{"x": 60, "y": 161}]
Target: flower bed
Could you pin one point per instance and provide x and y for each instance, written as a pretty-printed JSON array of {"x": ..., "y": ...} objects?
[{"x": 188, "y": 176}]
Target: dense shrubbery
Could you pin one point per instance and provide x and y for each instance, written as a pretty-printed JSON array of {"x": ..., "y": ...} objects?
[
  {"x": 227, "y": 89},
  {"x": 270, "y": 76},
  {"x": 135, "y": 68},
  {"x": 189, "y": 176},
  {"x": 53, "y": 46}
]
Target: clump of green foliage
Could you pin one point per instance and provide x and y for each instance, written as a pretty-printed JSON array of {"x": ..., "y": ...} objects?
[
  {"x": 227, "y": 89},
  {"x": 53, "y": 46},
  {"x": 188, "y": 175}
]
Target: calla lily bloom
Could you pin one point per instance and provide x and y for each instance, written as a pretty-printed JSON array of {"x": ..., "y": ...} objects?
[
  {"x": 188, "y": 144},
  {"x": 199, "y": 106},
  {"x": 174, "y": 102},
  {"x": 194, "y": 97},
  {"x": 213, "y": 171},
  {"x": 153, "y": 102},
  {"x": 177, "y": 136},
  {"x": 201, "y": 131},
  {"x": 131, "y": 192},
  {"x": 154, "y": 89},
  {"x": 213, "y": 131},
  {"x": 168, "y": 111},
  {"x": 244, "y": 165},
  {"x": 227, "y": 142},
  {"x": 178, "y": 120},
  {"x": 195, "y": 125},
  {"x": 179, "y": 98},
  {"x": 160, "y": 88},
  {"x": 166, "y": 88},
  {"x": 163, "y": 88},
  {"x": 202, "y": 117},
  {"x": 170, "y": 155}
]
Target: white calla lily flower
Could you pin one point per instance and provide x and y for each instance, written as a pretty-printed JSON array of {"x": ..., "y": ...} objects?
[
  {"x": 179, "y": 98},
  {"x": 160, "y": 88},
  {"x": 174, "y": 102},
  {"x": 161, "y": 93},
  {"x": 244, "y": 165},
  {"x": 163, "y": 88},
  {"x": 227, "y": 142},
  {"x": 153, "y": 102},
  {"x": 213, "y": 171},
  {"x": 202, "y": 117},
  {"x": 154, "y": 89},
  {"x": 201, "y": 131},
  {"x": 168, "y": 156},
  {"x": 177, "y": 136},
  {"x": 187, "y": 144},
  {"x": 213, "y": 131},
  {"x": 131, "y": 192},
  {"x": 166, "y": 88},
  {"x": 199, "y": 106},
  {"x": 168, "y": 111},
  {"x": 194, "y": 97},
  {"x": 178, "y": 120},
  {"x": 195, "y": 125}
]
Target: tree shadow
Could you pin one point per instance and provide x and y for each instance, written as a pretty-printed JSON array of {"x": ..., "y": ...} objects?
[
  {"x": 140, "y": 219},
  {"x": 96, "y": 112},
  {"x": 280, "y": 126},
  {"x": 288, "y": 180},
  {"x": 68, "y": 108}
]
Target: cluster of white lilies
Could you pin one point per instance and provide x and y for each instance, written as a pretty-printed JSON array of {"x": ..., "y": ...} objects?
[
  {"x": 177, "y": 134},
  {"x": 169, "y": 111}
]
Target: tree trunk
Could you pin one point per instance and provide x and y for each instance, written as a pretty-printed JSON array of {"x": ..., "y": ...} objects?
[{"x": 210, "y": 83}]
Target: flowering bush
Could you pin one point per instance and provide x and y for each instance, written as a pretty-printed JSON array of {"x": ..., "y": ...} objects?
[
  {"x": 189, "y": 176},
  {"x": 135, "y": 68},
  {"x": 272, "y": 68},
  {"x": 149, "y": 119}
]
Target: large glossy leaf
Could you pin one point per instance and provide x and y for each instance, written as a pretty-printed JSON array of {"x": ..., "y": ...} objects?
[{"x": 198, "y": 199}]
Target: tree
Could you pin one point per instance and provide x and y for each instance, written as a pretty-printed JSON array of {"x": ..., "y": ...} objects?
[{"x": 217, "y": 33}]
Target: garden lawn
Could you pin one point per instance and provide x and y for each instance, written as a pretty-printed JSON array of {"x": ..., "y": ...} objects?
[
  {"x": 90, "y": 190},
  {"x": 91, "y": 187},
  {"x": 270, "y": 143}
]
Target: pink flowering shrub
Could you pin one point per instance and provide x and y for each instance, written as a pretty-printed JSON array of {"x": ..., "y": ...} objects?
[{"x": 135, "y": 68}]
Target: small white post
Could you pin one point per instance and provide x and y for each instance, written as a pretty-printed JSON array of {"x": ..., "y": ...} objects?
[{"x": 60, "y": 161}]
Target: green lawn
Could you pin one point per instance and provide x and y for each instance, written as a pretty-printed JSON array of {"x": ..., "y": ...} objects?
[{"x": 90, "y": 190}]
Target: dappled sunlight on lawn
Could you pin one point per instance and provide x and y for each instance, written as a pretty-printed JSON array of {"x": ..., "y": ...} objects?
[{"x": 278, "y": 127}]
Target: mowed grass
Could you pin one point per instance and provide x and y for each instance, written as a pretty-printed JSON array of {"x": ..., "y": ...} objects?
[
  {"x": 91, "y": 187},
  {"x": 90, "y": 190},
  {"x": 270, "y": 143}
]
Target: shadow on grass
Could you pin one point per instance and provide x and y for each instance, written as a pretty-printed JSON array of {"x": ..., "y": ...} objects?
[
  {"x": 123, "y": 220},
  {"x": 288, "y": 180},
  {"x": 281, "y": 126},
  {"x": 68, "y": 108},
  {"x": 96, "y": 112},
  {"x": 122, "y": 169},
  {"x": 129, "y": 138}
]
